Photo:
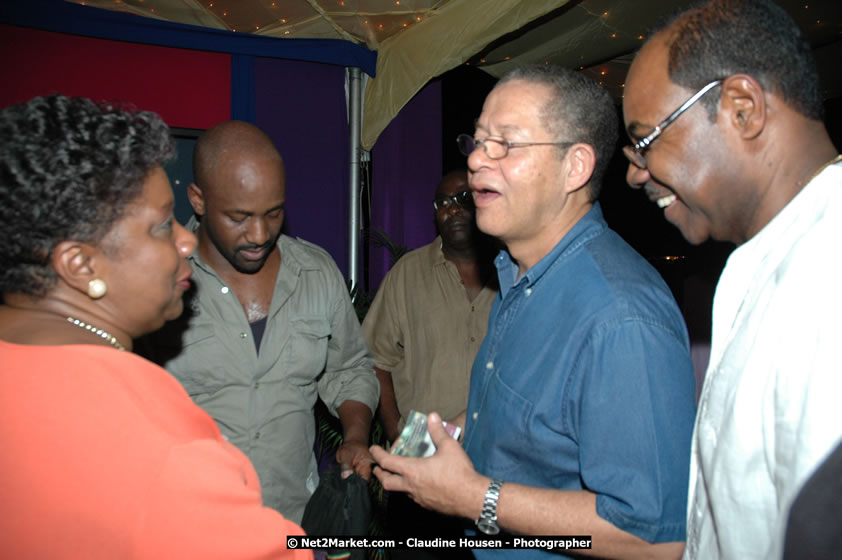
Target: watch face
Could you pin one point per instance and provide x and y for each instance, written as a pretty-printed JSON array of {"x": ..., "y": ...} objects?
[{"x": 488, "y": 527}]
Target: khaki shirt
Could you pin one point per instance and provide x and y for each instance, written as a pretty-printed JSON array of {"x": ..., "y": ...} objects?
[
  {"x": 422, "y": 328},
  {"x": 263, "y": 403}
]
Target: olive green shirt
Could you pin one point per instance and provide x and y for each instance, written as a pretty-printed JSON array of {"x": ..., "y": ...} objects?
[{"x": 263, "y": 402}]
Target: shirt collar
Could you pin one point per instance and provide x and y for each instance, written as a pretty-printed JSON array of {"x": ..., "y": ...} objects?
[
  {"x": 437, "y": 255},
  {"x": 588, "y": 226}
]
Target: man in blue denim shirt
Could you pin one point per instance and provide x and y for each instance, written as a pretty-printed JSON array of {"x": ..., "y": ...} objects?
[{"x": 581, "y": 404}]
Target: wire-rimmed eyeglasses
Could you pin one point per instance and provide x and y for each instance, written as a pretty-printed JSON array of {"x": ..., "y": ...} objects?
[
  {"x": 462, "y": 199},
  {"x": 634, "y": 152},
  {"x": 497, "y": 148}
]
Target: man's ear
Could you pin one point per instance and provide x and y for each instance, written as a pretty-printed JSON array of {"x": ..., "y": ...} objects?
[
  {"x": 77, "y": 264},
  {"x": 581, "y": 159},
  {"x": 743, "y": 104},
  {"x": 196, "y": 198}
]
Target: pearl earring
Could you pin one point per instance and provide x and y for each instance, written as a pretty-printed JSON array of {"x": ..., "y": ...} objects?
[{"x": 97, "y": 288}]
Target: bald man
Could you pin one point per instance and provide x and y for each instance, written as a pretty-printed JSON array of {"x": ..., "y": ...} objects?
[{"x": 272, "y": 326}]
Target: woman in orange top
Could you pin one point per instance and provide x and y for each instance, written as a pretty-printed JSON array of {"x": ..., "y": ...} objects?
[{"x": 103, "y": 453}]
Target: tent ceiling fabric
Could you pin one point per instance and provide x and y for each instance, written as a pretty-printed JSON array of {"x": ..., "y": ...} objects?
[
  {"x": 417, "y": 40},
  {"x": 601, "y": 36},
  {"x": 596, "y": 36},
  {"x": 408, "y": 60},
  {"x": 367, "y": 22}
]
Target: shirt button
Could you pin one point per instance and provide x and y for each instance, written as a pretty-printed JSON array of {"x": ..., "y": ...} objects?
[
  {"x": 475, "y": 415},
  {"x": 243, "y": 335},
  {"x": 528, "y": 291},
  {"x": 257, "y": 435},
  {"x": 473, "y": 339},
  {"x": 224, "y": 289},
  {"x": 256, "y": 385},
  {"x": 489, "y": 365}
]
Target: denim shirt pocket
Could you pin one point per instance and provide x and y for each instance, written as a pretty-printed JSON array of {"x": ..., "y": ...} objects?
[
  {"x": 502, "y": 438},
  {"x": 307, "y": 354}
]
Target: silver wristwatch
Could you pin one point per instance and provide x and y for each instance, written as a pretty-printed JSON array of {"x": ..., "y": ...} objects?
[{"x": 487, "y": 522}]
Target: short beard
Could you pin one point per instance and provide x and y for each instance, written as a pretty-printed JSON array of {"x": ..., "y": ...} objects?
[
  {"x": 247, "y": 267},
  {"x": 251, "y": 267}
]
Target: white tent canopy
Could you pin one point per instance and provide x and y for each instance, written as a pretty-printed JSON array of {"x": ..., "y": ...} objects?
[{"x": 417, "y": 40}]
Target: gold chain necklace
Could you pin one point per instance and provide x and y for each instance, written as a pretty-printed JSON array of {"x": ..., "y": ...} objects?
[
  {"x": 112, "y": 340},
  {"x": 815, "y": 174}
]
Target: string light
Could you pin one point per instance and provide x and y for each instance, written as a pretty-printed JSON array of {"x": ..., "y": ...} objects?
[{"x": 375, "y": 29}]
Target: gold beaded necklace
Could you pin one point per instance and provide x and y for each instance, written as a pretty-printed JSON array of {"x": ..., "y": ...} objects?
[{"x": 112, "y": 340}]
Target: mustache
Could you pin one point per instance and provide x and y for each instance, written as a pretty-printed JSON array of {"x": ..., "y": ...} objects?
[{"x": 253, "y": 247}]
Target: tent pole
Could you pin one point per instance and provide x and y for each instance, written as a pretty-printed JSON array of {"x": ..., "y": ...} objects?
[{"x": 355, "y": 120}]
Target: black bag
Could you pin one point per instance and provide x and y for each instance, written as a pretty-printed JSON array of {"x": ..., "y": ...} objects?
[{"x": 339, "y": 508}]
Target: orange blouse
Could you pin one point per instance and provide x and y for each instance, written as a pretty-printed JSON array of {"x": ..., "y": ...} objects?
[{"x": 103, "y": 455}]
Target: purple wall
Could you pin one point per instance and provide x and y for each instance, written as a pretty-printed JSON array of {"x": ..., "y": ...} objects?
[
  {"x": 406, "y": 167},
  {"x": 301, "y": 105}
]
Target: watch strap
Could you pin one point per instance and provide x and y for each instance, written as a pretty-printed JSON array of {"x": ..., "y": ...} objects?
[{"x": 487, "y": 522}]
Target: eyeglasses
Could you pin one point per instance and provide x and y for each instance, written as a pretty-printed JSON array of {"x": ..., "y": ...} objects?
[
  {"x": 462, "y": 199},
  {"x": 497, "y": 148},
  {"x": 635, "y": 152}
]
